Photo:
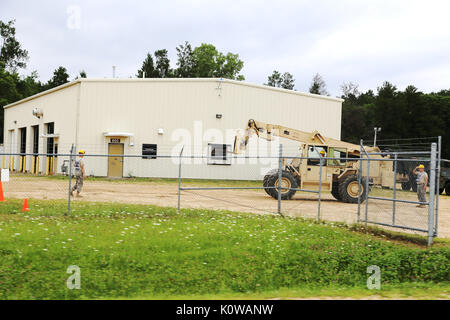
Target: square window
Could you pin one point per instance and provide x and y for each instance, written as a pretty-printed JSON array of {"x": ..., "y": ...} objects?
[
  {"x": 219, "y": 154},
  {"x": 149, "y": 151}
]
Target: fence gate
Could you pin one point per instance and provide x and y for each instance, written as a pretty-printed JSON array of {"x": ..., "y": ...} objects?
[{"x": 395, "y": 199}]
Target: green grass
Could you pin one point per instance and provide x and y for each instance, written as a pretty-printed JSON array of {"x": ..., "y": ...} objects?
[{"x": 146, "y": 252}]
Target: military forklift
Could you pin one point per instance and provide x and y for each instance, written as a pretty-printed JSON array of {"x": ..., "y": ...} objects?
[{"x": 339, "y": 176}]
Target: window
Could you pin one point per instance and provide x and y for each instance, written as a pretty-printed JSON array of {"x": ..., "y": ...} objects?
[
  {"x": 314, "y": 155},
  {"x": 149, "y": 151},
  {"x": 35, "y": 139},
  {"x": 337, "y": 153},
  {"x": 50, "y": 141},
  {"x": 219, "y": 154},
  {"x": 23, "y": 140}
]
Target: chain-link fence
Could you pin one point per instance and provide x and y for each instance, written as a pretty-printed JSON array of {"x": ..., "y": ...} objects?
[{"x": 376, "y": 188}]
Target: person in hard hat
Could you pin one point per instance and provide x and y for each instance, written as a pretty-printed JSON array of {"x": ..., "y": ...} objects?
[
  {"x": 80, "y": 173},
  {"x": 422, "y": 182},
  {"x": 323, "y": 154}
]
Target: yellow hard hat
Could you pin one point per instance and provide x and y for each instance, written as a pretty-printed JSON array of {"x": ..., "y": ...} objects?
[
  {"x": 81, "y": 151},
  {"x": 322, "y": 152},
  {"x": 421, "y": 166}
]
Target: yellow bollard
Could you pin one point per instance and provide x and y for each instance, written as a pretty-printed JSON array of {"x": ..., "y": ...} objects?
[
  {"x": 23, "y": 164},
  {"x": 47, "y": 166}
]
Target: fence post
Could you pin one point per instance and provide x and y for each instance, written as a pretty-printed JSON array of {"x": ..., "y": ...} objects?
[
  {"x": 432, "y": 190},
  {"x": 70, "y": 178},
  {"x": 320, "y": 187},
  {"x": 367, "y": 189},
  {"x": 438, "y": 186},
  {"x": 280, "y": 176},
  {"x": 394, "y": 189},
  {"x": 359, "y": 181},
  {"x": 179, "y": 180}
]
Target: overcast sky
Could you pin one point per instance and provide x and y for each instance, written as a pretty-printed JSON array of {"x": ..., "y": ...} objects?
[{"x": 363, "y": 41}]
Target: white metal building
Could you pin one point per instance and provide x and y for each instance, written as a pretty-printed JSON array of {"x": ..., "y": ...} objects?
[{"x": 156, "y": 118}]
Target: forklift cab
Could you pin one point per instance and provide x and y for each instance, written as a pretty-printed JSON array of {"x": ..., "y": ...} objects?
[
  {"x": 315, "y": 153},
  {"x": 310, "y": 169}
]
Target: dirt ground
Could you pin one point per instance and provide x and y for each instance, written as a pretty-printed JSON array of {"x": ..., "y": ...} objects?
[{"x": 254, "y": 201}]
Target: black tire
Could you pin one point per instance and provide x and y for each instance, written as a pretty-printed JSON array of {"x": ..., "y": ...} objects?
[
  {"x": 348, "y": 189},
  {"x": 414, "y": 187},
  {"x": 289, "y": 182},
  {"x": 441, "y": 190},
  {"x": 335, "y": 191},
  {"x": 266, "y": 180},
  {"x": 447, "y": 189},
  {"x": 406, "y": 186}
]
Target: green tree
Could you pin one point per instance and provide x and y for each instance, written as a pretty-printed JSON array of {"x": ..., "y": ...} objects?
[
  {"x": 29, "y": 85},
  {"x": 288, "y": 81},
  {"x": 148, "y": 68},
  {"x": 8, "y": 92},
  {"x": 186, "y": 63},
  {"x": 318, "y": 86},
  {"x": 11, "y": 53},
  {"x": 274, "y": 80},
  {"x": 205, "y": 57},
  {"x": 391, "y": 112},
  {"x": 350, "y": 92},
  {"x": 229, "y": 66},
  {"x": 60, "y": 77},
  {"x": 163, "y": 64},
  {"x": 277, "y": 80},
  {"x": 210, "y": 63}
]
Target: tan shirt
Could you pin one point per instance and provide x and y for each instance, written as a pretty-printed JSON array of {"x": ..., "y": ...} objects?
[{"x": 421, "y": 177}]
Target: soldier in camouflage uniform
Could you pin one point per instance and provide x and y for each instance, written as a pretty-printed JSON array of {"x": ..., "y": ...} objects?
[{"x": 80, "y": 173}]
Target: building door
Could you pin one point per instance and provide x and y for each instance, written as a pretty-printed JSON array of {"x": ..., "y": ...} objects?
[
  {"x": 35, "y": 162},
  {"x": 23, "y": 149},
  {"x": 115, "y": 164}
]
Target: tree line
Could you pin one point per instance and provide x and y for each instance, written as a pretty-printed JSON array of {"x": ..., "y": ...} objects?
[{"x": 401, "y": 114}]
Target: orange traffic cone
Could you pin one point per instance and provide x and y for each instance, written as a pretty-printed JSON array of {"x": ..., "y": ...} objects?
[
  {"x": 25, "y": 207},
  {"x": 2, "y": 198}
]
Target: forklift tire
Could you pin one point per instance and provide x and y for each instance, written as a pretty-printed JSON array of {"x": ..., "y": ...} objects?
[
  {"x": 288, "y": 182},
  {"x": 266, "y": 181},
  {"x": 447, "y": 189},
  {"x": 406, "y": 186},
  {"x": 348, "y": 189},
  {"x": 335, "y": 191},
  {"x": 412, "y": 181},
  {"x": 441, "y": 190}
]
